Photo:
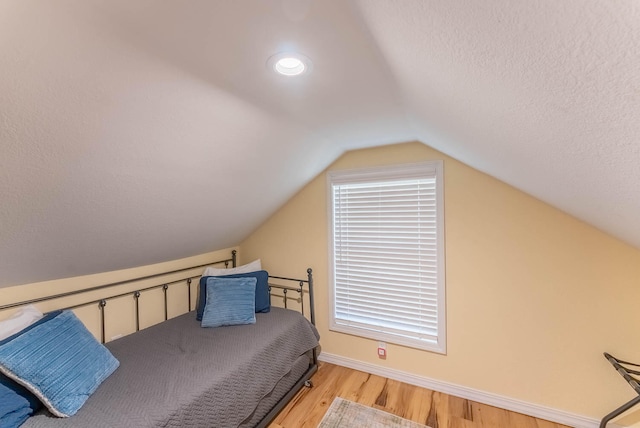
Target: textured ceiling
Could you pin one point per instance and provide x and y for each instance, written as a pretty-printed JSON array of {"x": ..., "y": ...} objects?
[{"x": 139, "y": 131}]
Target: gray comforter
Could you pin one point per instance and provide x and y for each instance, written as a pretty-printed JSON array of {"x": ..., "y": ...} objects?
[{"x": 177, "y": 374}]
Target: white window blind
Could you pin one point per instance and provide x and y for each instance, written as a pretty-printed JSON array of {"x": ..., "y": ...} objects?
[{"x": 387, "y": 254}]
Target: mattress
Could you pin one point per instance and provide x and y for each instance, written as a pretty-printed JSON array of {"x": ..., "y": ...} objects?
[{"x": 177, "y": 374}]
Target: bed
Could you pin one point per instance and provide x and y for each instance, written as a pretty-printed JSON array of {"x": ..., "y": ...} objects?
[{"x": 178, "y": 374}]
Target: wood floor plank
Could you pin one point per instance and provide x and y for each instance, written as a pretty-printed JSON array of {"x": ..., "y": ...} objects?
[
  {"x": 390, "y": 398},
  {"x": 489, "y": 416},
  {"x": 372, "y": 391},
  {"x": 460, "y": 407},
  {"x": 541, "y": 423},
  {"x": 353, "y": 385},
  {"x": 520, "y": 420},
  {"x": 440, "y": 416},
  {"x": 431, "y": 408},
  {"x": 456, "y": 422},
  {"x": 420, "y": 405}
]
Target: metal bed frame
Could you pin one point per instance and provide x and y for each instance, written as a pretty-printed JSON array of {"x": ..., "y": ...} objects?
[
  {"x": 634, "y": 382},
  {"x": 285, "y": 288}
]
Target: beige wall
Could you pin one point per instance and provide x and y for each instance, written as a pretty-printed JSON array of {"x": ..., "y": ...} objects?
[
  {"x": 534, "y": 296},
  {"x": 120, "y": 312}
]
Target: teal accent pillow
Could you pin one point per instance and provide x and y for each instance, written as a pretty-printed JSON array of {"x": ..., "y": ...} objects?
[
  {"x": 230, "y": 301},
  {"x": 58, "y": 360}
]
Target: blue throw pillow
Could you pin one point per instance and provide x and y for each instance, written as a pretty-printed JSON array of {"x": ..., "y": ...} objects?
[
  {"x": 58, "y": 360},
  {"x": 16, "y": 403},
  {"x": 230, "y": 301},
  {"x": 263, "y": 300}
]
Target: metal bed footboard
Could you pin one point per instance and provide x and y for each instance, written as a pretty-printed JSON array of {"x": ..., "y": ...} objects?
[{"x": 286, "y": 287}]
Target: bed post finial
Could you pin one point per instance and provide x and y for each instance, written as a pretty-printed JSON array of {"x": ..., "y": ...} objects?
[
  {"x": 233, "y": 257},
  {"x": 101, "y": 304}
]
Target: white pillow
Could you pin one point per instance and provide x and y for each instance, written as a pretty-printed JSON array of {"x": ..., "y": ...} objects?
[
  {"x": 19, "y": 321},
  {"x": 249, "y": 267}
]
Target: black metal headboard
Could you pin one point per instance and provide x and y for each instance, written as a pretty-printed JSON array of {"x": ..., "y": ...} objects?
[{"x": 283, "y": 287}]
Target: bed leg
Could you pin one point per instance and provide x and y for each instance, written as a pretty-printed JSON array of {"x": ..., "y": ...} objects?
[{"x": 308, "y": 383}]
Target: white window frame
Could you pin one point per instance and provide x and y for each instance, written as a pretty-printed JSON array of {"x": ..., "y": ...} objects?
[{"x": 431, "y": 169}]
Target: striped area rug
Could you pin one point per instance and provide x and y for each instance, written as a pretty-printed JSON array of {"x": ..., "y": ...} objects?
[{"x": 347, "y": 414}]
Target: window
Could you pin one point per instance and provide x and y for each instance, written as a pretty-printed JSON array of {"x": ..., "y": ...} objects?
[{"x": 387, "y": 254}]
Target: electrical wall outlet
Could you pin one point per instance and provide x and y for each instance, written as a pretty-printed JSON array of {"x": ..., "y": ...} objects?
[{"x": 382, "y": 350}]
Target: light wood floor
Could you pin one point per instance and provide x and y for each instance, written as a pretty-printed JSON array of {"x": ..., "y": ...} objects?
[{"x": 431, "y": 408}]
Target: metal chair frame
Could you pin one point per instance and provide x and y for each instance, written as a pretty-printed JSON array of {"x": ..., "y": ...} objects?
[{"x": 628, "y": 375}]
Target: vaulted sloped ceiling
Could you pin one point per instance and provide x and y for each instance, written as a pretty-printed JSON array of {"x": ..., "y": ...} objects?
[{"x": 139, "y": 131}]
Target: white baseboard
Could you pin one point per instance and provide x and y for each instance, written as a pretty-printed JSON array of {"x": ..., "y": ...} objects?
[{"x": 535, "y": 410}]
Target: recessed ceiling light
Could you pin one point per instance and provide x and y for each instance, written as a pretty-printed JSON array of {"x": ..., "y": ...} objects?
[{"x": 289, "y": 64}]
